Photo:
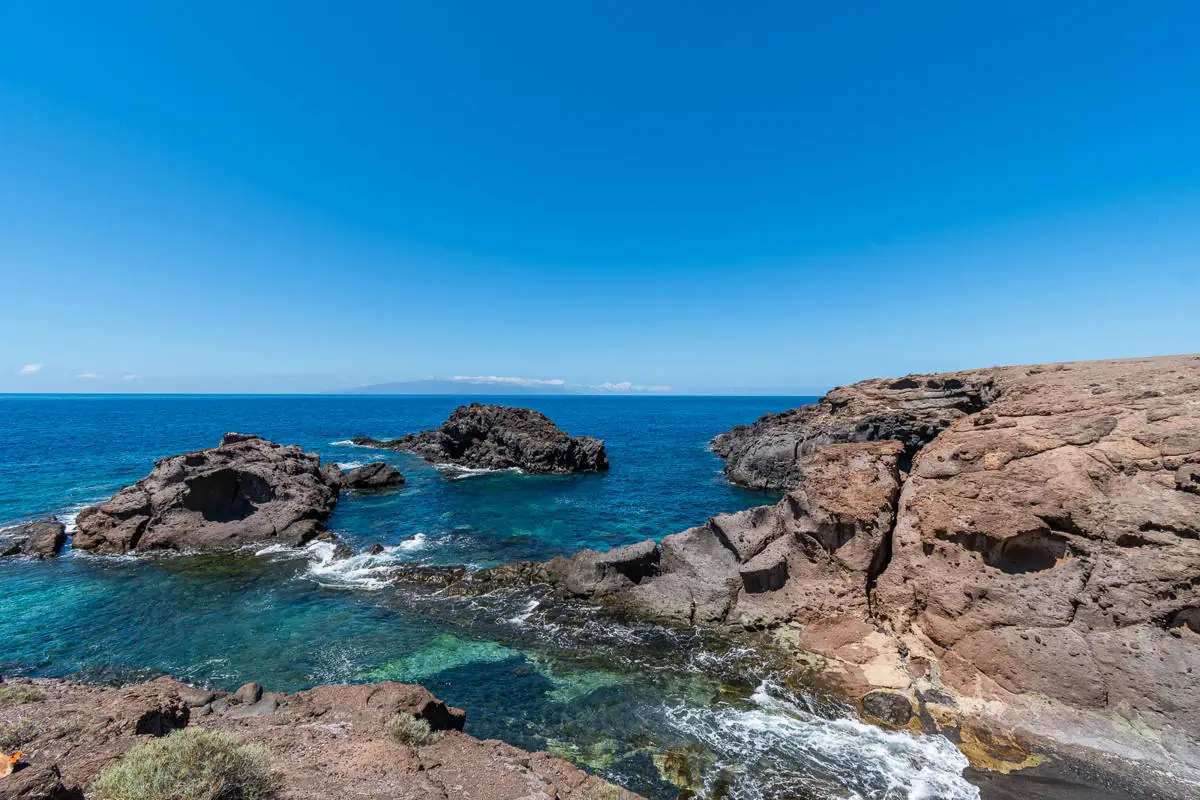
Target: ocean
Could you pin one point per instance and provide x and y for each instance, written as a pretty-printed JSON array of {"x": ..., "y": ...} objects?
[{"x": 652, "y": 708}]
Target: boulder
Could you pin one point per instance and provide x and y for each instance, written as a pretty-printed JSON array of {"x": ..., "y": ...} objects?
[
  {"x": 480, "y": 436},
  {"x": 245, "y": 491},
  {"x": 373, "y": 477},
  {"x": 888, "y": 707},
  {"x": 42, "y": 539},
  {"x": 249, "y": 693}
]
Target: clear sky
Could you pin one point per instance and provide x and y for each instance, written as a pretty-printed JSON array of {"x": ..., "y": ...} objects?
[{"x": 762, "y": 196}]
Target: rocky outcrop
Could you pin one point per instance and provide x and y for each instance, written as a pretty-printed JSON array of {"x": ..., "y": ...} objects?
[
  {"x": 246, "y": 490},
  {"x": 374, "y": 477},
  {"x": 911, "y": 410},
  {"x": 1015, "y": 552},
  {"x": 815, "y": 553},
  {"x": 42, "y": 539},
  {"x": 328, "y": 741},
  {"x": 480, "y": 436}
]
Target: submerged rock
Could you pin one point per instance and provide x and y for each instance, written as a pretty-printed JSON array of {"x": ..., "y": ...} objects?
[
  {"x": 373, "y": 477},
  {"x": 246, "y": 490},
  {"x": 328, "y": 741},
  {"x": 42, "y": 539},
  {"x": 480, "y": 436}
]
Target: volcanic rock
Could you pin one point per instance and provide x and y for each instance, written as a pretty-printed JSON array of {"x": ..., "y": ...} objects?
[
  {"x": 41, "y": 539},
  {"x": 911, "y": 410},
  {"x": 373, "y": 477},
  {"x": 480, "y": 436},
  {"x": 246, "y": 490},
  {"x": 328, "y": 741},
  {"x": 1017, "y": 548}
]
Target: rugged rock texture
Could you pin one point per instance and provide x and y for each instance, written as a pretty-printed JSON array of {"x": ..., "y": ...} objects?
[
  {"x": 911, "y": 410},
  {"x": 1013, "y": 551},
  {"x": 374, "y": 477},
  {"x": 327, "y": 742},
  {"x": 41, "y": 539},
  {"x": 480, "y": 436},
  {"x": 814, "y": 554},
  {"x": 246, "y": 490}
]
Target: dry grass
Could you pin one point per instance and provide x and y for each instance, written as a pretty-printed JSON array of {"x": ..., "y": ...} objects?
[
  {"x": 189, "y": 764},
  {"x": 14, "y": 735},
  {"x": 19, "y": 693},
  {"x": 407, "y": 729}
]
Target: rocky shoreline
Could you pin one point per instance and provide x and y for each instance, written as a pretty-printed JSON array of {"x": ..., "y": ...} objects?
[
  {"x": 325, "y": 742},
  {"x": 1010, "y": 557},
  {"x": 478, "y": 436}
]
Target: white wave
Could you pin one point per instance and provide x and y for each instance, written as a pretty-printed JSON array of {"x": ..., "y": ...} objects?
[
  {"x": 417, "y": 541},
  {"x": 458, "y": 472},
  {"x": 777, "y": 748},
  {"x": 112, "y": 557},
  {"x": 371, "y": 571},
  {"x": 525, "y": 614},
  {"x": 350, "y": 443},
  {"x": 343, "y": 465},
  {"x": 67, "y": 517}
]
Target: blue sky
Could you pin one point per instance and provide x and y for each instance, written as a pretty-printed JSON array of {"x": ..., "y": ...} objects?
[{"x": 768, "y": 197}]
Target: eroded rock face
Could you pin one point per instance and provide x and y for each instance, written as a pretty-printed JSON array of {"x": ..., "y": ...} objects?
[
  {"x": 374, "y": 477},
  {"x": 329, "y": 741},
  {"x": 813, "y": 554},
  {"x": 480, "y": 436},
  {"x": 245, "y": 490},
  {"x": 911, "y": 410},
  {"x": 1016, "y": 548},
  {"x": 42, "y": 539}
]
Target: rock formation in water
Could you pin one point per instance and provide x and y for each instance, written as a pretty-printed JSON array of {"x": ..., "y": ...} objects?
[
  {"x": 374, "y": 477},
  {"x": 246, "y": 490},
  {"x": 1001, "y": 554},
  {"x": 41, "y": 539},
  {"x": 326, "y": 742},
  {"x": 480, "y": 436}
]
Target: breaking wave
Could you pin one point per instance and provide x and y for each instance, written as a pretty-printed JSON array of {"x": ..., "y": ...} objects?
[{"x": 777, "y": 748}]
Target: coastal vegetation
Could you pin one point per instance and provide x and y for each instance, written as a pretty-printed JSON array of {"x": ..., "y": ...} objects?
[{"x": 189, "y": 764}]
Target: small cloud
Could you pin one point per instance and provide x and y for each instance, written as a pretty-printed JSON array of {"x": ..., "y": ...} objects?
[
  {"x": 508, "y": 381},
  {"x": 129, "y": 376},
  {"x": 30, "y": 369},
  {"x": 91, "y": 376},
  {"x": 627, "y": 386}
]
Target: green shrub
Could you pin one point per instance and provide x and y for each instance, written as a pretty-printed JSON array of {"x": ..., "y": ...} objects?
[
  {"x": 13, "y": 735},
  {"x": 407, "y": 729},
  {"x": 189, "y": 764},
  {"x": 19, "y": 693}
]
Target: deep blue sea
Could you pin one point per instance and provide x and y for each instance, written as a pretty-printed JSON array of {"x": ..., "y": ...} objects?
[{"x": 654, "y": 709}]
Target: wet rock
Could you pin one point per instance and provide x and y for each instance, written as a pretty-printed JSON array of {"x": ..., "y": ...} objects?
[
  {"x": 246, "y": 490},
  {"x": 42, "y": 539},
  {"x": 480, "y": 436},
  {"x": 374, "y": 477},
  {"x": 894, "y": 709}
]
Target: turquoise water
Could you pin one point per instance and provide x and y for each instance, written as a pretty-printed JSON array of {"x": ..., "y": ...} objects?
[{"x": 651, "y": 708}]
